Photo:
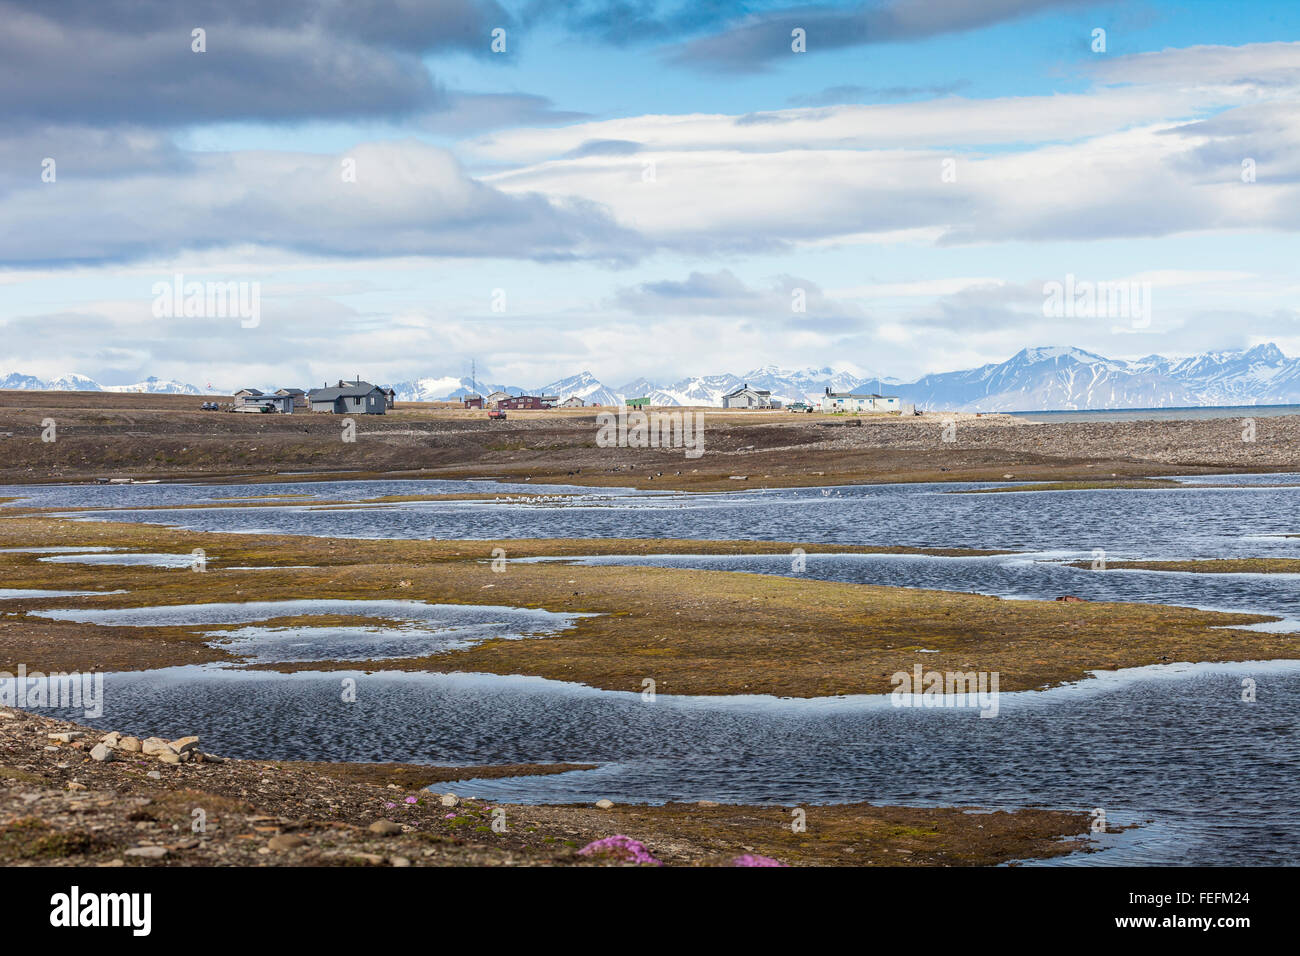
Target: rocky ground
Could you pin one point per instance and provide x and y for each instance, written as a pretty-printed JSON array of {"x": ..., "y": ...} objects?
[
  {"x": 73, "y": 796},
  {"x": 164, "y": 436}
]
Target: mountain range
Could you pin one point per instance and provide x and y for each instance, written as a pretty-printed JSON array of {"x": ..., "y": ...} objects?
[{"x": 1056, "y": 377}]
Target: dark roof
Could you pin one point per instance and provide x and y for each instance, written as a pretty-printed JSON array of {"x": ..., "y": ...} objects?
[
  {"x": 746, "y": 388},
  {"x": 290, "y": 391},
  {"x": 347, "y": 390},
  {"x": 251, "y": 391}
]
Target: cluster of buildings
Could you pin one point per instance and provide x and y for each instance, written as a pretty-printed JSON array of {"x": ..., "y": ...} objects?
[
  {"x": 505, "y": 400},
  {"x": 345, "y": 398},
  {"x": 361, "y": 398},
  {"x": 746, "y": 397}
]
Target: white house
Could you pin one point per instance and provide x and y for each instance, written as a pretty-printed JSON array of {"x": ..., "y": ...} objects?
[{"x": 859, "y": 402}]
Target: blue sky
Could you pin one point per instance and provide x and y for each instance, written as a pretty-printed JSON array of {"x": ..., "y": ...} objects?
[{"x": 640, "y": 195}]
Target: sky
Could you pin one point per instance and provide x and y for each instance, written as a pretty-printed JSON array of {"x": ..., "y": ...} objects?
[{"x": 639, "y": 189}]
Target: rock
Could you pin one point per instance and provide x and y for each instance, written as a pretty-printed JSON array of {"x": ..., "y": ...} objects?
[
  {"x": 605, "y": 804},
  {"x": 169, "y": 756},
  {"x": 285, "y": 841},
  {"x": 156, "y": 745},
  {"x": 185, "y": 744},
  {"x": 101, "y": 752},
  {"x": 111, "y": 740},
  {"x": 1070, "y": 599},
  {"x": 148, "y": 852},
  {"x": 66, "y": 737},
  {"x": 399, "y": 861},
  {"x": 213, "y": 758},
  {"x": 73, "y": 785},
  {"x": 154, "y": 775},
  {"x": 385, "y": 827},
  {"x": 449, "y": 800},
  {"x": 130, "y": 744},
  {"x": 706, "y": 803}
]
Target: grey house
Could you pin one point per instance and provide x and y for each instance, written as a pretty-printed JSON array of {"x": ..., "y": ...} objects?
[
  {"x": 298, "y": 395},
  {"x": 275, "y": 403},
  {"x": 349, "y": 398},
  {"x": 746, "y": 397}
]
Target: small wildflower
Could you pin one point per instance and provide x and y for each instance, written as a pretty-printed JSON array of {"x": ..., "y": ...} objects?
[
  {"x": 620, "y": 847},
  {"x": 412, "y": 800},
  {"x": 753, "y": 859}
]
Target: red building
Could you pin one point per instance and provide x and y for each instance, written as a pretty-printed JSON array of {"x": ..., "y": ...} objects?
[{"x": 473, "y": 401}]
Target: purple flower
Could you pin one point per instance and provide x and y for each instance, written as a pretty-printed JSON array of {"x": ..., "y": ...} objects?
[
  {"x": 412, "y": 800},
  {"x": 389, "y": 805},
  {"x": 450, "y": 816},
  {"x": 620, "y": 847},
  {"x": 750, "y": 859}
]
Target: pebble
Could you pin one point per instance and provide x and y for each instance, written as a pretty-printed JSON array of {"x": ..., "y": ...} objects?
[
  {"x": 148, "y": 852},
  {"x": 130, "y": 745},
  {"x": 385, "y": 827},
  {"x": 399, "y": 861},
  {"x": 101, "y": 752},
  {"x": 449, "y": 800},
  {"x": 285, "y": 841},
  {"x": 74, "y": 785},
  {"x": 707, "y": 803},
  {"x": 169, "y": 756},
  {"x": 605, "y": 804},
  {"x": 154, "y": 775}
]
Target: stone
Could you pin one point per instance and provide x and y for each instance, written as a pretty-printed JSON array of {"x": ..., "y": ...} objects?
[
  {"x": 154, "y": 775},
  {"x": 156, "y": 745},
  {"x": 183, "y": 744},
  {"x": 101, "y": 752},
  {"x": 168, "y": 756},
  {"x": 66, "y": 737},
  {"x": 130, "y": 744},
  {"x": 285, "y": 841},
  {"x": 385, "y": 827},
  {"x": 449, "y": 800},
  {"x": 605, "y": 804},
  {"x": 74, "y": 785},
  {"x": 706, "y": 803},
  {"x": 399, "y": 861},
  {"x": 111, "y": 740},
  {"x": 148, "y": 852}
]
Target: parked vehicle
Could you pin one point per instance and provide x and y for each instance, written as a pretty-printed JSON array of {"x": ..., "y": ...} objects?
[
  {"x": 209, "y": 407},
  {"x": 497, "y": 414}
]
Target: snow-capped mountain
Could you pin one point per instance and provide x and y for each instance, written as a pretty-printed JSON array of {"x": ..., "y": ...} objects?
[
  {"x": 1071, "y": 378},
  {"x": 73, "y": 382},
  {"x": 699, "y": 390},
  {"x": 1052, "y": 377},
  {"x": 151, "y": 384},
  {"x": 586, "y": 386},
  {"x": 446, "y": 388}
]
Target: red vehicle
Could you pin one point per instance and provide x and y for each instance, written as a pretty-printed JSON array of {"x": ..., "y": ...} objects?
[{"x": 496, "y": 414}]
